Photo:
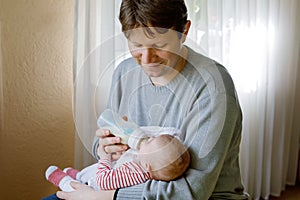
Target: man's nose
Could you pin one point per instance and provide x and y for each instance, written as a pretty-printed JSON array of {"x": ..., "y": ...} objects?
[{"x": 147, "y": 55}]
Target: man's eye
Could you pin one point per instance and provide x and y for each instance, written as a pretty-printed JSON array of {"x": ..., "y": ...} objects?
[{"x": 137, "y": 45}]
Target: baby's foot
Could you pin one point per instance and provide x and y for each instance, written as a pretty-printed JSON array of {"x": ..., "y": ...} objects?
[
  {"x": 71, "y": 172},
  {"x": 59, "y": 178}
]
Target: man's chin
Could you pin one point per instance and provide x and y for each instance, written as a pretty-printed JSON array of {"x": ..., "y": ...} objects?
[{"x": 153, "y": 74}]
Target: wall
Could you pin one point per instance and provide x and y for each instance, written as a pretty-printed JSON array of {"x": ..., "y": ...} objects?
[{"x": 36, "y": 114}]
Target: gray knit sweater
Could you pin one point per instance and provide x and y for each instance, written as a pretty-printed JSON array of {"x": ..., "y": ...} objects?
[{"x": 200, "y": 101}]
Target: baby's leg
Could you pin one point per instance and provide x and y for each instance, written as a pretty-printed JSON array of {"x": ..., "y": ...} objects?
[
  {"x": 59, "y": 178},
  {"x": 88, "y": 175}
]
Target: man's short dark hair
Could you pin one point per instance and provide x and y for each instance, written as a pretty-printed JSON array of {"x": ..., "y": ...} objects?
[{"x": 161, "y": 14}]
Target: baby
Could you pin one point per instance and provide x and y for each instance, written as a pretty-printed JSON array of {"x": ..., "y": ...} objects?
[
  {"x": 160, "y": 157},
  {"x": 155, "y": 153}
]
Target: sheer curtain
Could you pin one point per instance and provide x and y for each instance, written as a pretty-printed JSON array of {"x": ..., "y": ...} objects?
[
  {"x": 98, "y": 43},
  {"x": 257, "y": 41}
]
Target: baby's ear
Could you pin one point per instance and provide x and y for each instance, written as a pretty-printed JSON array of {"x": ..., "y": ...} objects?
[{"x": 148, "y": 167}]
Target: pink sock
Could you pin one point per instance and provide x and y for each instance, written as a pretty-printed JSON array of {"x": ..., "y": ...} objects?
[
  {"x": 55, "y": 175},
  {"x": 71, "y": 172}
]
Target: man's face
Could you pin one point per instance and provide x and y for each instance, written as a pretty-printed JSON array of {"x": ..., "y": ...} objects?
[{"x": 158, "y": 55}]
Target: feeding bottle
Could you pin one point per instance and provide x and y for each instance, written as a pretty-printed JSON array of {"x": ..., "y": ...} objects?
[{"x": 128, "y": 131}]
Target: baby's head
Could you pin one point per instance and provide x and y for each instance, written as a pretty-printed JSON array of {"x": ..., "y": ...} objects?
[{"x": 164, "y": 157}]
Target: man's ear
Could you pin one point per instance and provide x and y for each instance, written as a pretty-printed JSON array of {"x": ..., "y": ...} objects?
[{"x": 186, "y": 31}]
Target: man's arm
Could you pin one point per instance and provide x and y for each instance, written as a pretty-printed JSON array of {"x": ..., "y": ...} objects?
[
  {"x": 208, "y": 144},
  {"x": 84, "y": 192}
]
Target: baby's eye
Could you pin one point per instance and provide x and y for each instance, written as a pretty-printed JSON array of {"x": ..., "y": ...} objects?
[{"x": 149, "y": 139}]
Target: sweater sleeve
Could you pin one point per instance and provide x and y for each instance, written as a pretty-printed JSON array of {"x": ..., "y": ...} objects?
[{"x": 127, "y": 175}]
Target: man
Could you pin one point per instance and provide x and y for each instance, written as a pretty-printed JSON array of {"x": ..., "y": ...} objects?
[{"x": 166, "y": 83}]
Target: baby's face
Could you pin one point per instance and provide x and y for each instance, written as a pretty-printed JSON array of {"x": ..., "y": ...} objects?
[
  {"x": 153, "y": 151},
  {"x": 146, "y": 154},
  {"x": 147, "y": 147}
]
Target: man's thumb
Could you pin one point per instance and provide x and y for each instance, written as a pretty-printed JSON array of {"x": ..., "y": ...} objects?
[{"x": 75, "y": 185}]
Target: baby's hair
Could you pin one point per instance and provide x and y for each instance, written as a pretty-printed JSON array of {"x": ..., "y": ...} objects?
[{"x": 180, "y": 160}]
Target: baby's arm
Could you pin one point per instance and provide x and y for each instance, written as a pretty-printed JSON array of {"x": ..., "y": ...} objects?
[{"x": 127, "y": 175}]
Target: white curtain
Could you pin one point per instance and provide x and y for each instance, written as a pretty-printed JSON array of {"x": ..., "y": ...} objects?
[
  {"x": 98, "y": 43},
  {"x": 1, "y": 82},
  {"x": 257, "y": 41}
]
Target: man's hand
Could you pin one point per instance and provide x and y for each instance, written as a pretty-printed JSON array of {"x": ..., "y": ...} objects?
[
  {"x": 84, "y": 192},
  {"x": 109, "y": 144}
]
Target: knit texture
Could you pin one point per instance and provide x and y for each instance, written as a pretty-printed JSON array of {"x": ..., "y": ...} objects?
[{"x": 201, "y": 102}]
